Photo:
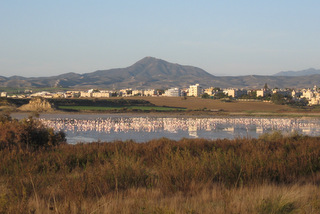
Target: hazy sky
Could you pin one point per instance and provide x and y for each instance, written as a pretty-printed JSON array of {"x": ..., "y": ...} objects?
[{"x": 225, "y": 37}]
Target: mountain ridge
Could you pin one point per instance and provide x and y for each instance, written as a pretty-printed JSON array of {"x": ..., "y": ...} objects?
[
  {"x": 151, "y": 72},
  {"x": 306, "y": 72}
]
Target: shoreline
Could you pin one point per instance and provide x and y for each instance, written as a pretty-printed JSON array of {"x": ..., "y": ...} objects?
[{"x": 192, "y": 107}]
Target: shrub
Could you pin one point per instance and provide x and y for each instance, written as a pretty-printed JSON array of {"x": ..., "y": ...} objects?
[{"x": 27, "y": 134}]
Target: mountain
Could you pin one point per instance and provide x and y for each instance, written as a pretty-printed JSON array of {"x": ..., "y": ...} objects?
[
  {"x": 257, "y": 82},
  {"x": 150, "y": 72},
  {"x": 306, "y": 72}
]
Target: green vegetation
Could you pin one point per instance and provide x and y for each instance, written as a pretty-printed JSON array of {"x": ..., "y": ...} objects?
[
  {"x": 279, "y": 99},
  {"x": 109, "y": 105},
  {"x": 100, "y": 102},
  {"x": 205, "y": 96},
  {"x": 159, "y": 176},
  {"x": 111, "y": 108},
  {"x": 250, "y": 95},
  {"x": 221, "y": 96}
]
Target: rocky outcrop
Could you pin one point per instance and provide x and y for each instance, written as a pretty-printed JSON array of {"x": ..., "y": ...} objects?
[{"x": 37, "y": 104}]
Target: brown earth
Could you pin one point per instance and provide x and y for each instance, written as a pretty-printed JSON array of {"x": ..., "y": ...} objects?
[
  {"x": 193, "y": 103},
  {"x": 37, "y": 104}
]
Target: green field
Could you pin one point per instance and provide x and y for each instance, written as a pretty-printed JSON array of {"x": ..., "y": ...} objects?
[{"x": 112, "y": 108}]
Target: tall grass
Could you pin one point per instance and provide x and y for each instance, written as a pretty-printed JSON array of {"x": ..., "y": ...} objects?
[{"x": 87, "y": 173}]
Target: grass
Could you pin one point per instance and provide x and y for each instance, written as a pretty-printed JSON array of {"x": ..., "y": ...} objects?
[
  {"x": 271, "y": 174},
  {"x": 260, "y": 199},
  {"x": 111, "y": 108}
]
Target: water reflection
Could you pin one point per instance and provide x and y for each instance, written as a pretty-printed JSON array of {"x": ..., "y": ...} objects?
[{"x": 142, "y": 129}]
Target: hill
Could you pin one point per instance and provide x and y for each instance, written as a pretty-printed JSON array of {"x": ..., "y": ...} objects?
[
  {"x": 150, "y": 72},
  {"x": 310, "y": 71}
]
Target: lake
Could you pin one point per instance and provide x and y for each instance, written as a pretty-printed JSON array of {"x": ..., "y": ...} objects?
[{"x": 106, "y": 127}]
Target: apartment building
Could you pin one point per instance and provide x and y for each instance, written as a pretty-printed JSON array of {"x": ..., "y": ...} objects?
[
  {"x": 173, "y": 92},
  {"x": 236, "y": 92},
  {"x": 195, "y": 90},
  {"x": 150, "y": 92}
]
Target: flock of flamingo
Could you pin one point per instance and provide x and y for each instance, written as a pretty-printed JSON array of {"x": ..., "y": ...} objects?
[{"x": 174, "y": 124}]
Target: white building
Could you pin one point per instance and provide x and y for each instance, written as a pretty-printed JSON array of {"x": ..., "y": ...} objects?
[
  {"x": 85, "y": 94},
  {"x": 308, "y": 94},
  {"x": 173, "y": 92},
  {"x": 284, "y": 92},
  {"x": 44, "y": 94},
  {"x": 209, "y": 91},
  {"x": 236, "y": 92},
  {"x": 137, "y": 92},
  {"x": 263, "y": 92},
  {"x": 3, "y": 94},
  {"x": 195, "y": 90},
  {"x": 72, "y": 94},
  {"x": 125, "y": 92},
  {"x": 150, "y": 92},
  {"x": 314, "y": 101},
  {"x": 102, "y": 94},
  {"x": 296, "y": 94}
]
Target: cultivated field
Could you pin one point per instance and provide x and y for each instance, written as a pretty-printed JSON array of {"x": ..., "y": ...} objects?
[
  {"x": 123, "y": 108},
  {"x": 193, "y": 103}
]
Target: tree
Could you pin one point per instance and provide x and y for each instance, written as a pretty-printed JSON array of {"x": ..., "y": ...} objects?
[
  {"x": 278, "y": 98},
  {"x": 250, "y": 95},
  {"x": 205, "y": 96},
  {"x": 220, "y": 96},
  {"x": 160, "y": 91}
]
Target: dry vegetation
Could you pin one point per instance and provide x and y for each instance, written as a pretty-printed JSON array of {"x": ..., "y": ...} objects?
[
  {"x": 272, "y": 174},
  {"x": 193, "y": 103}
]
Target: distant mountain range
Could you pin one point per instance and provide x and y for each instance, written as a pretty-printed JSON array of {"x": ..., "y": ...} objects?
[
  {"x": 310, "y": 71},
  {"x": 155, "y": 73}
]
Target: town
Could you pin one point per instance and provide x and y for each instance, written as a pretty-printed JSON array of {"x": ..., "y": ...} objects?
[{"x": 306, "y": 96}]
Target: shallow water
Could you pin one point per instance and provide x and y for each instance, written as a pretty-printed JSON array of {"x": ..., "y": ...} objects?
[{"x": 106, "y": 128}]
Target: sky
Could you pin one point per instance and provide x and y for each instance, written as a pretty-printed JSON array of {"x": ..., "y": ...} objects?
[{"x": 230, "y": 37}]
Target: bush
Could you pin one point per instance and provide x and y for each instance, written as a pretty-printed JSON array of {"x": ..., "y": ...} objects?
[{"x": 27, "y": 134}]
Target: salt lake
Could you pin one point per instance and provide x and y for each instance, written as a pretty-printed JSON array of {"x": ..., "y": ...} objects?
[{"x": 107, "y": 127}]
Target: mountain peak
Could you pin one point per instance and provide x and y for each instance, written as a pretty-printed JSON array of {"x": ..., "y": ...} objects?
[{"x": 148, "y": 59}]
